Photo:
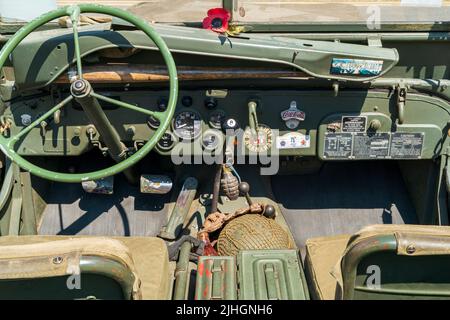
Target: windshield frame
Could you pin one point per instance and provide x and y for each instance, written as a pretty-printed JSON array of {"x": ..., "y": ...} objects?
[{"x": 357, "y": 26}]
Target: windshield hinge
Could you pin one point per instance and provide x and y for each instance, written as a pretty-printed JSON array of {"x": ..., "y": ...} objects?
[
  {"x": 374, "y": 41},
  {"x": 231, "y": 6}
]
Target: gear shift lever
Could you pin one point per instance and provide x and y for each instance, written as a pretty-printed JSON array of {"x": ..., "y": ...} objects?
[
  {"x": 269, "y": 210},
  {"x": 244, "y": 189}
]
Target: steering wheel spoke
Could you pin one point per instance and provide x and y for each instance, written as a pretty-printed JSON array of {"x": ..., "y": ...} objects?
[
  {"x": 158, "y": 115},
  {"x": 36, "y": 122},
  {"x": 74, "y": 12}
]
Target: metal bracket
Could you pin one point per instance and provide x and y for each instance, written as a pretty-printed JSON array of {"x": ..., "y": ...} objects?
[
  {"x": 180, "y": 211},
  {"x": 374, "y": 41},
  {"x": 174, "y": 248},
  {"x": 252, "y": 116},
  {"x": 336, "y": 88},
  {"x": 16, "y": 203},
  {"x": 402, "y": 91}
]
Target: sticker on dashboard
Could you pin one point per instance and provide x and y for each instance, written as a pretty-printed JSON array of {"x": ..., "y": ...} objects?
[
  {"x": 356, "y": 67},
  {"x": 293, "y": 140}
]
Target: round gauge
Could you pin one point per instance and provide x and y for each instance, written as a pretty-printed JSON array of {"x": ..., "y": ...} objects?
[
  {"x": 216, "y": 119},
  {"x": 212, "y": 139},
  {"x": 166, "y": 142},
  {"x": 153, "y": 122},
  {"x": 187, "y": 125},
  {"x": 258, "y": 140}
]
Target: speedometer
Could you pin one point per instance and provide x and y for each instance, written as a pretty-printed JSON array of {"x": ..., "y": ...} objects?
[{"x": 187, "y": 125}]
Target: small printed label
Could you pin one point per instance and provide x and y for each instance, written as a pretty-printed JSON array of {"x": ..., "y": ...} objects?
[
  {"x": 338, "y": 145},
  {"x": 383, "y": 145},
  {"x": 371, "y": 146},
  {"x": 406, "y": 145},
  {"x": 293, "y": 140},
  {"x": 356, "y": 67},
  {"x": 354, "y": 124}
]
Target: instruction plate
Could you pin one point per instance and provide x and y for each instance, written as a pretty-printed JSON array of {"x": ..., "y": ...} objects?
[
  {"x": 406, "y": 145},
  {"x": 338, "y": 145},
  {"x": 371, "y": 146},
  {"x": 384, "y": 145},
  {"x": 354, "y": 124}
]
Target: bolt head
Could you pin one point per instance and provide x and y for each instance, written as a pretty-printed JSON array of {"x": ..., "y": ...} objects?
[
  {"x": 411, "y": 249},
  {"x": 79, "y": 87}
]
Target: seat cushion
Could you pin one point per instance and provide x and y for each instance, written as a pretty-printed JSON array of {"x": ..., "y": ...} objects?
[
  {"x": 152, "y": 263},
  {"x": 146, "y": 256},
  {"x": 322, "y": 254}
]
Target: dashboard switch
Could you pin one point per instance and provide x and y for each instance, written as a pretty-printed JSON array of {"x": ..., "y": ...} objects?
[
  {"x": 187, "y": 101},
  {"x": 230, "y": 124},
  {"x": 162, "y": 104},
  {"x": 211, "y": 103}
]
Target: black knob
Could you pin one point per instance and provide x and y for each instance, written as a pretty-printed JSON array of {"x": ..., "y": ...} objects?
[
  {"x": 269, "y": 211},
  {"x": 230, "y": 124},
  {"x": 211, "y": 103},
  {"x": 162, "y": 104},
  {"x": 186, "y": 101},
  {"x": 244, "y": 188}
]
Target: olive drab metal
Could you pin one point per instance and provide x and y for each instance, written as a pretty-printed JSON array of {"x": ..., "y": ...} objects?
[{"x": 251, "y": 150}]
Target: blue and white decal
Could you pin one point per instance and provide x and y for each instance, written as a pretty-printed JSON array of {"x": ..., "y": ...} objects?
[{"x": 357, "y": 67}]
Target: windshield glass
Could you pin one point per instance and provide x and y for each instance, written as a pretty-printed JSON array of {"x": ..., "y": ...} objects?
[
  {"x": 371, "y": 12},
  {"x": 359, "y": 11}
]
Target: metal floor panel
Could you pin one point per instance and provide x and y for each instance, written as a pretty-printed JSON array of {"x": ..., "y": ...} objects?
[
  {"x": 71, "y": 211},
  {"x": 343, "y": 198}
]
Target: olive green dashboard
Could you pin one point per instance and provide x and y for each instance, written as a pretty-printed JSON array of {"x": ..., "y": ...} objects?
[{"x": 355, "y": 124}]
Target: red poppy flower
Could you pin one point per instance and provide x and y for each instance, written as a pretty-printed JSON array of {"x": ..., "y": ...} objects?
[{"x": 217, "y": 20}]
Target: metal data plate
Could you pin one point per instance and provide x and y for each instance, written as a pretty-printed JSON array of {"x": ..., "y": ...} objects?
[
  {"x": 271, "y": 275},
  {"x": 353, "y": 123},
  {"x": 383, "y": 145},
  {"x": 371, "y": 146},
  {"x": 406, "y": 145},
  {"x": 216, "y": 278}
]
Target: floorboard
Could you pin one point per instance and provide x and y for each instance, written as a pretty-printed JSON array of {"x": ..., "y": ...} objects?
[
  {"x": 343, "y": 198},
  {"x": 71, "y": 211}
]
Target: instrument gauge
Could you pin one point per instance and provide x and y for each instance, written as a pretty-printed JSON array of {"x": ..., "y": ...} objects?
[
  {"x": 153, "y": 122},
  {"x": 187, "y": 125},
  {"x": 212, "y": 139},
  {"x": 217, "y": 118},
  {"x": 259, "y": 140},
  {"x": 166, "y": 142}
]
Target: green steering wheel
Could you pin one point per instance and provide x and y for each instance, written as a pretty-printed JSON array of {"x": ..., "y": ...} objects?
[{"x": 7, "y": 144}]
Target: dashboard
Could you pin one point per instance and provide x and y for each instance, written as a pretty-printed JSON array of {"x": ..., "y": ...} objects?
[{"x": 355, "y": 124}]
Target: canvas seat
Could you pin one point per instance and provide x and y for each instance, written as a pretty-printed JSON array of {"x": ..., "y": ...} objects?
[
  {"x": 110, "y": 268},
  {"x": 381, "y": 262}
]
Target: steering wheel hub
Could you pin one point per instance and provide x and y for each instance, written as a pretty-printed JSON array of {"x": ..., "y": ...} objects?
[{"x": 79, "y": 87}]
